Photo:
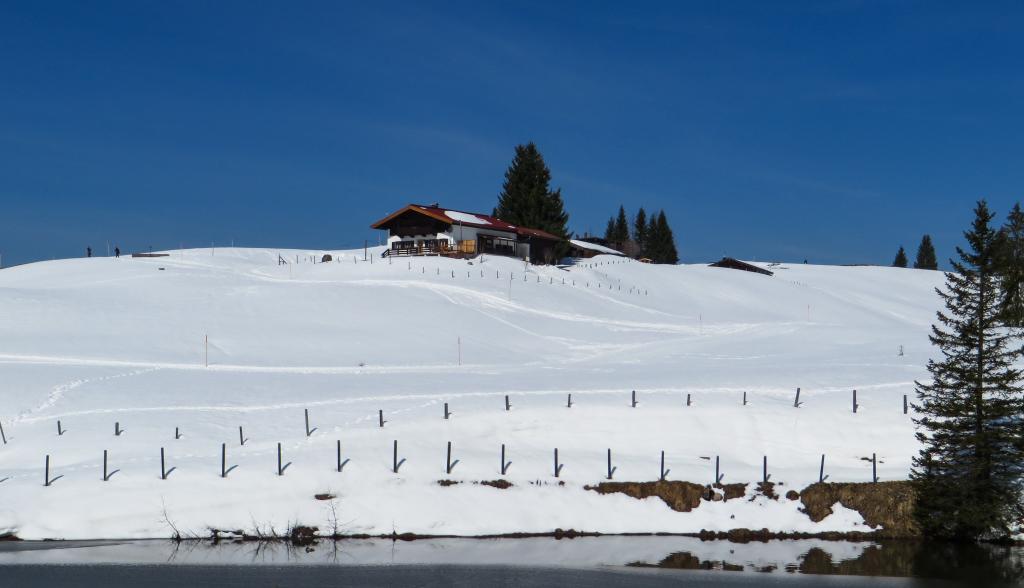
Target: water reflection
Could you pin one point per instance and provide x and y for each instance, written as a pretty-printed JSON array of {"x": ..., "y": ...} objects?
[{"x": 970, "y": 564}]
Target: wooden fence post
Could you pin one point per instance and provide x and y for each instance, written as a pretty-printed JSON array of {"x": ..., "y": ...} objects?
[
  {"x": 797, "y": 403},
  {"x": 611, "y": 470},
  {"x": 341, "y": 464},
  {"x": 380, "y": 417},
  {"x": 508, "y": 405},
  {"x": 764, "y": 470},
  {"x": 2, "y": 436},
  {"x": 874, "y": 468},
  {"x": 568, "y": 404},
  {"x": 664, "y": 472},
  {"x": 821, "y": 470},
  {"x": 904, "y": 404},
  {"x": 447, "y": 413},
  {"x": 309, "y": 432},
  {"x": 558, "y": 466},
  {"x": 395, "y": 461},
  {"x": 855, "y": 401},
  {"x": 744, "y": 398},
  {"x": 633, "y": 404},
  {"x": 449, "y": 463},
  {"x": 504, "y": 464}
]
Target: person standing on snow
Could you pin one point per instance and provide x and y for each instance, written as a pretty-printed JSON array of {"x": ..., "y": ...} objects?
[
  {"x": 88, "y": 251},
  {"x": 117, "y": 252}
]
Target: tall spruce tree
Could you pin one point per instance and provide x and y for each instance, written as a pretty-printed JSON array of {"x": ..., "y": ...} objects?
[
  {"x": 621, "y": 226},
  {"x": 640, "y": 229},
  {"x": 901, "y": 258},
  {"x": 926, "y": 255},
  {"x": 526, "y": 198},
  {"x": 669, "y": 253},
  {"x": 1011, "y": 268},
  {"x": 660, "y": 245},
  {"x": 968, "y": 473}
]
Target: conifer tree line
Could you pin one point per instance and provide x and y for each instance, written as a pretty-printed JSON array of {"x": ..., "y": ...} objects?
[
  {"x": 969, "y": 474},
  {"x": 527, "y": 199},
  {"x": 650, "y": 237},
  {"x": 925, "y": 256}
]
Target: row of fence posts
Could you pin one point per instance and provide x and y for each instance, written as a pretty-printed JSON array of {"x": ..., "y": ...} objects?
[
  {"x": 450, "y": 464},
  {"x": 118, "y": 431},
  {"x": 551, "y": 280},
  {"x": 225, "y": 470}
]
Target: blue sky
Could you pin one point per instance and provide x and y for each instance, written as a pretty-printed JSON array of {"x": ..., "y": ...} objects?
[{"x": 830, "y": 130}]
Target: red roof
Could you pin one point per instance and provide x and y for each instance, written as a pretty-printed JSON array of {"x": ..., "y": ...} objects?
[{"x": 489, "y": 222}]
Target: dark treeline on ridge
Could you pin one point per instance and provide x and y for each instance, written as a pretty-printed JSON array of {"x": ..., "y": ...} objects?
[{"x": 649, "y": 238}]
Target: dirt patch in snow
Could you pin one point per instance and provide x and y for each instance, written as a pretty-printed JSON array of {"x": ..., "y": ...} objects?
[
  {"x": 499, "y": 484},
  {"x": 679, "y": 496},
  {"x": 889, "y": 505},
  {"x": 766, "y": 489},
  {"x": 732, "y": 490}
]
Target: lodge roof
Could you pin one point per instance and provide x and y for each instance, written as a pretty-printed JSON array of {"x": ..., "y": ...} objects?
[{"x": 466, "y": 219}]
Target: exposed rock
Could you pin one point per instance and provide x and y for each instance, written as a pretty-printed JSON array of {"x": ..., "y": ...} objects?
[
  {"x": 888, "y": 505},
  {"x": 679, "y": 496}
]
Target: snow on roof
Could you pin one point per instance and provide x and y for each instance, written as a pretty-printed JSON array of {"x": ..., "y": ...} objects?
[
  {"x": 465, "y": 217},
  {"x": 594, "y": 247}
]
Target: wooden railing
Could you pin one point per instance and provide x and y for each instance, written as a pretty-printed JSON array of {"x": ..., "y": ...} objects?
[{"x": 461, "y": 248}]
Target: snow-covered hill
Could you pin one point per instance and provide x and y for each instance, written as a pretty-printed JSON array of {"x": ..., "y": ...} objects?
[{"x": 91, "y": 342}]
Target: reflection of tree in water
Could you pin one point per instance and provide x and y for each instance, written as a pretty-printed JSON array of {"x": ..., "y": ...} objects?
[
  {"x": 981, "y": 564},
  {"x": 895, "y": 558}
]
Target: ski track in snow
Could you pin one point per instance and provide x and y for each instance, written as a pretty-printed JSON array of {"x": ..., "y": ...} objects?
[
  {"x": 58, "y": 392},
  {"x": 782, "y": 395}
]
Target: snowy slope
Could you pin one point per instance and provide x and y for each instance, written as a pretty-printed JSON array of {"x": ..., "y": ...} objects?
[{"x": 91, "y": 342}]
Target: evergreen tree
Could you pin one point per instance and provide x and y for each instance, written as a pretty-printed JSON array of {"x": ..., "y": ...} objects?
[
  {"x": 640, "y": 229},
  {"x": 621, "y": 227},
  {"x": 660, "y": 244},
  {"x": 668, "y": 247},
  {"x": 526, "y": 198},
  {"x": 609, "y": 231},
  {"x": 901, "y": 258},
  {"x": 968, "y": 473},
  {"x": 926, "y": 255},
  {"x": 1011, "y": 268},
  {"x": 654, "y": 240}
]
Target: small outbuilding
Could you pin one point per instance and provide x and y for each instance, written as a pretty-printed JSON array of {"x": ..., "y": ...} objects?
[
  {"x": 585, "y": 249},
  {"x": 730, "y": 263}
]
